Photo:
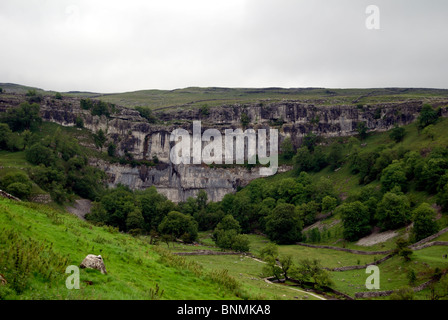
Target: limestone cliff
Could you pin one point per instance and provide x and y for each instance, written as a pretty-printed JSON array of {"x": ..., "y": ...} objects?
[{"x": 134, "y": 135}]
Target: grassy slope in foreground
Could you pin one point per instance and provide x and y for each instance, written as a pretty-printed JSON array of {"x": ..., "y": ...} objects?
[{"x": 134, "y": 268}]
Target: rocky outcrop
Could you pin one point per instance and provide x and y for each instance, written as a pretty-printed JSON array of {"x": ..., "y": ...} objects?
[
  {"x": 6, "y": 195},
  {"x": 94, "y": 262},
  {"x": 135, "y": 136},
  {"x": 178, "y": 182}
]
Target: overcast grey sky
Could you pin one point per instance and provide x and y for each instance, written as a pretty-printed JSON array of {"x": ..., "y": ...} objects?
[{"x": 116, "y": 46}]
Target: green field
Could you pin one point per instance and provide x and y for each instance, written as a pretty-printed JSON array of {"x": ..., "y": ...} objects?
[{"x": 134, "y": 268}]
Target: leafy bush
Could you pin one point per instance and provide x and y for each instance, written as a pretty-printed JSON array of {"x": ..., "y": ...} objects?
[
  {"x": 25, "y": 117},
  {"x": 38, "y": 154},
  {"x": 147, "y": 114},
  {"x": 178, "y": 224},
  {"x": 356, "y": 220},
  {"x": 79, "y": 122},
  {"x": 393, "y": 211},
  {"x": 397, "y": 134},
  {"x": 283, "y": 225},
  {"x": 427, "y": 117},
  {"x": 424, "y": 222},
  {"x": 20, "y": 190}
]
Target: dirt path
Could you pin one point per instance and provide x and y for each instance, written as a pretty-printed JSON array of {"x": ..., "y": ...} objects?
[
  {"x": 375, "y": 238},
  {"x": 81, "y": 208},
  {"x": 302, "y": 291}
]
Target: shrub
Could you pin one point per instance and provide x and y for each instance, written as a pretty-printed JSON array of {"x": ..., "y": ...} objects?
[
  {"x": 177, "y": 224},
  {"x": 38, "y": 154},
  {"x": 79, "y": 122},
  {"x": 424, "y": 222},
  {"x": 245, "y": 120},
  {"x": 25, "y": 117},
  {"x": 283, "y": 225},
  {"x": 356, "y": 220},
  {"x": 393, "y": 211},
  {"x": 20, "y": 190},
  {"x": 397, "y": 134},
  {"x": 287, "y": 148},
  {"x": 427, "y": 117}
]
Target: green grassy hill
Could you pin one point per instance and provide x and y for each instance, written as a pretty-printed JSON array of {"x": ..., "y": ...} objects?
[{"x": 37, "y": 243}]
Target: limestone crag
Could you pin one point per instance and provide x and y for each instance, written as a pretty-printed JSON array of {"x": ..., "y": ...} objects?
[
  {"x": 178, "y": 182},
  {"x": 134, "y": 135}
]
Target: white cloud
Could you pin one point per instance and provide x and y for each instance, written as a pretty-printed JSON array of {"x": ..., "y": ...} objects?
[{"x": 111, "y": 46}]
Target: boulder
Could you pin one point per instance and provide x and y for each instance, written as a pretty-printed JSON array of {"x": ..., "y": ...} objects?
[{"x": 94, "y": 262}]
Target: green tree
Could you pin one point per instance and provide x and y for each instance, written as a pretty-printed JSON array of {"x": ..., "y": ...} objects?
[
  {"x": 356, "y": 220},
  {"x": 287, "y": 148},
  {"x": 424, "y": 222},
  {"x": 58, "y": 96},
  {"x": 353, "y": 143},
  {"x": 310, "y": 141},
  {"x": 100, "y": 108},
  {"x": 135, "y": 220},
  {"x": 245, "y": 120},
  {"x": 5, "y": 137},
  {"x": 393, "y": 211},
  {"x": 394, "y": 176},
  {"x": 412, "y": 277},
  {"x": 329, "y": 204},
  {"x": 147, "y": 114},
  {"x": 303, "y": 160},
  {"x": 397, "y": 134},
  {"x": 179, "y": 225},
  {"x": 307, "y": 212},
  {"x": 427, "y": 116},
  {"x": 19, "y": 190},
  {"x": 205, "y": 110},
  {"x": 270, "y": 250},
  {"x": 362, "y": 130},
  {"x": 33, "y": 96},
  {"x": 154, "y": 207},
  {"x": 25, "y": 117},
  {"x": 283, "y": 225},
  {"x": 118, "y": 203},
  {"x": 442, "y": 197},
  {"x": 228, "y": 223},
  {"x": 79, "y": 122},
  {"x": 335, "y": 157},
  {"x": 16, "y": 183},
  {"x": 278, "y": 266},
  {"x": 100, "y": 139},
  {"x": 39, "y": 154},
  {"x": 201, "y": 199},
  {"x": 111, "y": 149},
  {"x": 429, "y": 132},
  {"x": 227, "y": 235},
  {"x": 402, "y": 249},
  {"x": 241, "y": 243},
  {"x": 312, "y": 270}
]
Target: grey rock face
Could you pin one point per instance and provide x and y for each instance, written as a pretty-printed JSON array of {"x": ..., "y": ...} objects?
[
  {"x": 132, "y": 134},
  {"x": 94, "y": 262}
]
